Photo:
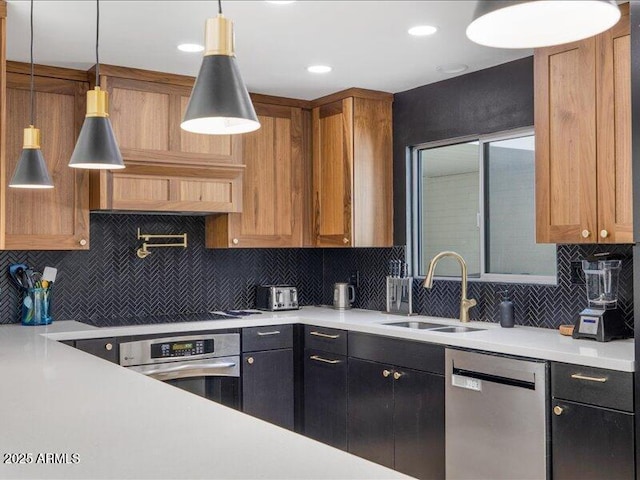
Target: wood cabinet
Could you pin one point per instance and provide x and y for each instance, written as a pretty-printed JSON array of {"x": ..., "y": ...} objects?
[
  {"x": 396, "y": 411},
  {"x": 325, "y": 386},
  {"x": 272, "y": 191},
  {"x": 268, "y": 374},
  {"x": 168, "y": 169},
  {"x": 352, "y": 170},
  {"x": 105, "y": 348},
  {"x": 58, "y": 218},
  {"x": 583, "y": 139},
  {"x": 592, "y": 424}
]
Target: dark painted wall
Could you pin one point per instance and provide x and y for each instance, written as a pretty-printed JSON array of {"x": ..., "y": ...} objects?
[{"x": 487, "y": 101}]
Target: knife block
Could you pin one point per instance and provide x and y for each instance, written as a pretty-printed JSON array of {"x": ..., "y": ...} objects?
[{"x": 399, "y": 295}]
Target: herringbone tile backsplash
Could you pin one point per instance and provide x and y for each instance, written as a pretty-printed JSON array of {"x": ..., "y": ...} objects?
[{"x": 110, "y": 281}]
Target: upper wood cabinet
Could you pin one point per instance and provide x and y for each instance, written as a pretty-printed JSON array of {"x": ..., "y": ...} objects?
[
  {"x": 352, "y": 170},
  {"x": 52, "y": 219},
  {"x": 583, "y": 139},
  {"x": 168, "y": 169},
  {"x": 275, "y": 158}
]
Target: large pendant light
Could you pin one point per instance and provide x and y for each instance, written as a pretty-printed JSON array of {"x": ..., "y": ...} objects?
[
  {"x": 96, "y": 147},
  {"x": 31, "y": 171},
  {"x": 540, "y": 23},
  {"x": 219, "y": 103}
]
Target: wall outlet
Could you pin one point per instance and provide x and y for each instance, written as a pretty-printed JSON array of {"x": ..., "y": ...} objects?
[
  {"x": 354, "y": 278},
  {"x": 576, "y": 275}
]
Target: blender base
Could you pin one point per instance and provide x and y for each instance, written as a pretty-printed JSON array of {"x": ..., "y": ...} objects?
[{"x": 601, "y": 325}]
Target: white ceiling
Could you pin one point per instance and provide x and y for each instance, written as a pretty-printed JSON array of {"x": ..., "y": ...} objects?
[{"x": 366, "y": 42}]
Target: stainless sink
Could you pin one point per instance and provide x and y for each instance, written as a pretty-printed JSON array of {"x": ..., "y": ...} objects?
[
  {"x": 417, "y": 324},
  {"x": 457, "y": 329}
]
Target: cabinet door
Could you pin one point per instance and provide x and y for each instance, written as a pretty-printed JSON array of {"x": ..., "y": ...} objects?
[
  {"x": 267, "y": 386},
  {"x": 418, "y": 423},
  {"x": 272, "y": 195},
  {"x": 370, "y": 411},
  {"x": 325, "y": 398},
  {"x": 100, "y": 347},
  {"x": 591, "y": 443},
  {"x": 613, "y": 67},
  {"x": 333, "y": 173},
  {"x": 58, "y": 218},
  {"x": 565, "y": 124}
]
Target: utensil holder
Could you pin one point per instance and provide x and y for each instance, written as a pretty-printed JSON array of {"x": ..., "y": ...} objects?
[
  {"x": 36, "y": 306},
  {"x": 400, "y": 295}
]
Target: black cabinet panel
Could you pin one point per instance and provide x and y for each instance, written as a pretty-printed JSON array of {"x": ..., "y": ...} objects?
[
  {"x": 267, "y": 386},
  {"x": 591, "y": 443},
  {"x": 267, "y": 338},
  {"x": 396, "y": 351},
  {"x": 325, "y": 339},
  {"x": 370, "y": 419},
  {"x": 419, "y": 424},
  {"x": 100, "y": 347},
  {"x": 325, "y": 397}
]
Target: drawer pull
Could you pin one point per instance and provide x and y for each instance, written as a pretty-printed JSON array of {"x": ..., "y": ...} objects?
[
  {"x": 265, "y": 334},
  {"x": 386, "y": 373},
  {"x": 323, "y": 360},
  {"x": 397, "y": 375},
  {"x": 577, "y": 376},
  {"x": 324, "y": 335},
  {"x": 558, "y": 410}
]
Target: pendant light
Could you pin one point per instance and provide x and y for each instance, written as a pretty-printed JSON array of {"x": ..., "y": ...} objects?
[
  {"x": 31, "y": 171},
  {"x": 96, "y": 147},
  {"x": 540, "y": 23},
  {"x": 219, "y": 103}
]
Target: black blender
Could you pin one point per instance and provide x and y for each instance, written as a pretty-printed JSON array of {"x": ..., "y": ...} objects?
[{"x": 602, "y": 320}]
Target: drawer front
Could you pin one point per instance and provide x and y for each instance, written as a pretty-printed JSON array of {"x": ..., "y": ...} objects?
[
  {"x": 594, "y": 386},
  {"x": 421, "y": 356},
  {"x": 267, "y": 338},
  {"x": 325, "y": 339},
  {"x": 105, "y": 348}
]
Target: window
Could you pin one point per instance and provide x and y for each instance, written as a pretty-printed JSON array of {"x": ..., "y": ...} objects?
[{"x": 477, "y": 197}]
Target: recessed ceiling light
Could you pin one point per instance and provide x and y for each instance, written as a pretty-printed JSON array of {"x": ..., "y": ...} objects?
[
  {"x": 452, "y": 68},
  {"x": 422, "y": 30},
  {"x": 190, "y": 47},
  {"x": 280, "y": 2},
  {"x": 319, "y": 69}
]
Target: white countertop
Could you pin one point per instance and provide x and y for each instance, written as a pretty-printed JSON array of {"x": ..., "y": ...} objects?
[{"x": 56, "y": 399}]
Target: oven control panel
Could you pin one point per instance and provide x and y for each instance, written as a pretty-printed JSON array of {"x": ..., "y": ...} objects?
[{"x": 182, "y": 348}]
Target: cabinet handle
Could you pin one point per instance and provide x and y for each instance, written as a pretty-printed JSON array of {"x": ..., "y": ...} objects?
[
  {"x": 558, "y": 410},
  {"x": 585, "y": 233},
  {"x": 386, "y": 373},
  {"x": 108, "y": 347},
  {"x": 265, "y": 334},
  {"x": 323, "y": 360},
  {"x": 250, "y": 360},
  {"x": 397, "y": 375},
  {"x": 604, "y": 234},
  {"x": 578, "y": 376},
  {"x": 324, "y": 335},
  {"x": 235, "y": 241},
  {"x": 82, "y": 242},
  {"x": 345, "y": 240}
]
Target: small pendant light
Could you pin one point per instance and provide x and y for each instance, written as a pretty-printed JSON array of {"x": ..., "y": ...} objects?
[
  {"x": 31, "y": 171},
  {"x": 96, "y": 147},
  {"x": 219, "y": 103},
  {"x": 540, "y": 23}
]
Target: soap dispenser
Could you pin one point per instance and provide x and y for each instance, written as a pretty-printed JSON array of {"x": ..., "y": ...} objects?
[{"x": 506, "y": 310}]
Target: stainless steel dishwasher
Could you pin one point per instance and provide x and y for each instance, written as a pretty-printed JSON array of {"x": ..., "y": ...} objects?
[{"x": 496, "y": 424}]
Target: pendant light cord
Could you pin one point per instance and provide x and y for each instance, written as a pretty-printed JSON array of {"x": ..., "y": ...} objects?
[
  {"x": 32, "y": 83},
  {"x": 220, "y": 7},
  {"x": 97, "y": 42}
]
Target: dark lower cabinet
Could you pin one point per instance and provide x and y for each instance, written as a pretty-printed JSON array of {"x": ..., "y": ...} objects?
[
  {"x": 591, "y": 443},
  {"x": 396, "y": 417},
  {"x": 105, "y": 348},
  {"x": 325, "y": 397},
  {"x": 268, "y": 386}
]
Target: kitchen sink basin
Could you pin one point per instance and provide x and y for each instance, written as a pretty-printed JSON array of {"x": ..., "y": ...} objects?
[
  {"x": 417, "y": 324},
  {"x": 457, "y": 329}
]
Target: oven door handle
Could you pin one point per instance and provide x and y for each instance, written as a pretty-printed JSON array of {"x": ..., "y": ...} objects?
[{"x": 189, "y": 371}]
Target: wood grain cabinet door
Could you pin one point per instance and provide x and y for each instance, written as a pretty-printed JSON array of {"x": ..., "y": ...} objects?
[
  {"x": 272, "y": 193},
  {"x": 58, "y": 218},
  {"x": 333, "y": 173},
  {"x": 613, "y": 67},
  {"x": 565, "y": 127}
]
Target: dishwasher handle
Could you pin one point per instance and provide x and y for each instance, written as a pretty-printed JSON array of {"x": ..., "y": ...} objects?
[{"x": 465, "y": 379}]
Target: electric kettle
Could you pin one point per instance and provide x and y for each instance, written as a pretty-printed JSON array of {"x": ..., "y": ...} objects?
[{"x": 343, "y": 296}]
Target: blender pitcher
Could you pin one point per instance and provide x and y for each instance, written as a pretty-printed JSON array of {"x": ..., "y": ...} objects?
[{"x": 601, "y": 279}]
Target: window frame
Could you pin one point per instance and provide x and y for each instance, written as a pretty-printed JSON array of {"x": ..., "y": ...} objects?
[{"x": 414, "y": 213}]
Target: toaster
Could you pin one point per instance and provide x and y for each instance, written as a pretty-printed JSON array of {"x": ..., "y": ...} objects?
[{"x": 276, "y": 297}]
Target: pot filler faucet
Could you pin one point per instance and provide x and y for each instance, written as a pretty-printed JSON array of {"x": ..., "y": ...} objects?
[{"x": 465, "y": 303}]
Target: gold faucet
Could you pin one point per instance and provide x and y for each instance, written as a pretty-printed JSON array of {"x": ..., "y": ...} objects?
[{"x": 465, "y": 303}]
